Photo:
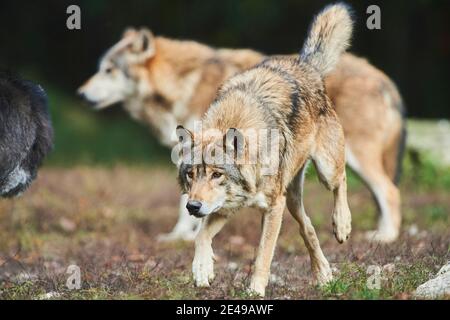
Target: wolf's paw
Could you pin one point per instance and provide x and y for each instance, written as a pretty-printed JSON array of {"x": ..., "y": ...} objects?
[
  {"x": 203, "y": 270},
  {"x": 256, "y": 288},
  {"x": 382, "y": 236},
  {"x": 322, "y": 276},
  {"x": 342, "y": 224}
]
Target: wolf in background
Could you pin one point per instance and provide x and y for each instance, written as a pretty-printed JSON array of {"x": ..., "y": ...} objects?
[{"x": 163, "y": 82}]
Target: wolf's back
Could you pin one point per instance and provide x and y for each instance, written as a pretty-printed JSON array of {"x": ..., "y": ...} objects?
[{"x": 328, "y": 37}]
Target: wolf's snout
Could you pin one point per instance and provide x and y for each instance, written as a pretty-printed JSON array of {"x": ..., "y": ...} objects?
[
  {"x": 193, "y": 207},
  {"x": 82, "y": 94}
]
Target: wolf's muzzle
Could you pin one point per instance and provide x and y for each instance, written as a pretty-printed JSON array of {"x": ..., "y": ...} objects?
[{"x": 194, "y": 208}]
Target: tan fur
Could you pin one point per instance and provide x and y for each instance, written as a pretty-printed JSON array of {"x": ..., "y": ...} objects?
[
  {"x": 327, "y": 39},
  {"x": 178, "y": 82},
  {"x": 286, "y": 94}
]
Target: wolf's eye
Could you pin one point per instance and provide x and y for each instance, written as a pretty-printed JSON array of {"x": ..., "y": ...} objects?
[
  {"x": 190, "y": 174},
  {"x": 109, "y": 70},
  {"x": 216, "y": 175}
]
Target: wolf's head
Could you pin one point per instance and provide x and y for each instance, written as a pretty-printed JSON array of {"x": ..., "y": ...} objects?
[
  {"x": 122, "y": 71},
  {"x": 210, "y": 173},
  {"x": 26, "y": 134}
]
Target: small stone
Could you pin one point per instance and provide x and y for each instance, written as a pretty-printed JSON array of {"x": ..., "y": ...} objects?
[
  {"x": 49, "y": 295},
  {"x": 438, "y": 287},
  {"x": 413, "y": 230},
  {"x": 67, "y": 225},
  {"x": 232, "y": 266}
]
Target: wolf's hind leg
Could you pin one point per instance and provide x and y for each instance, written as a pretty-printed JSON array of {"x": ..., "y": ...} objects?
[
  {"x": 187, "y": 226},
  {"x": 368, "y": 165},
  {"x": 329, "y": 160},
  {"x": 319, "y": 265}
]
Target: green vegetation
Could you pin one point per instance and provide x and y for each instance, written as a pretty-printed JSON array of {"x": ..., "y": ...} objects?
[
  {"x": 109, "y": 189},
  {"x": 108, "y": 137}
]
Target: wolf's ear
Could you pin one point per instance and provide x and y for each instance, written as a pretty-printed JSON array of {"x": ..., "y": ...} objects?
[
  {"x": 183, "y": 151},
  {"x": 129, "y": 32},
  {"x": 143, "y": 44},
  {"x": 234, "y": 142},
  {"x": 184, "y": 135}
]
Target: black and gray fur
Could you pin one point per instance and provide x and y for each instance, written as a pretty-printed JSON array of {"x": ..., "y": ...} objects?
[{"x": 26, "y": 133}]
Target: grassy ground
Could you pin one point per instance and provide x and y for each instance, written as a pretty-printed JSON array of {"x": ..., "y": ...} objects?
[
  {"x": 104, "y": 195},
  {"x": 105, "y": 221}
]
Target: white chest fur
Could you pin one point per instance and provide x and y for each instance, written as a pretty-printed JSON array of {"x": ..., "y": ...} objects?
[{"x": 259, "y": 200}]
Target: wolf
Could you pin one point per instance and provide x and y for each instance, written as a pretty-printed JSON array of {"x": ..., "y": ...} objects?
[
  {"x": 164, "y": 82},
  {"x": 26, "y": 133},
  {"x": 286, "y": 94}
]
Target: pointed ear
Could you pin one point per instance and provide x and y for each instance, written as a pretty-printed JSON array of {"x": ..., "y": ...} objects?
[
  {"x": 184, "y": 135},
  {"x": 143, "y": 45},
  {"x": 129, "y": 33},
  {"x": 182, "y": 153},
  {"x": 234, "y": 142}
]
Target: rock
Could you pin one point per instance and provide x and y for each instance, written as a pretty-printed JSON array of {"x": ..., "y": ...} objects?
[
  {"x": 413, "y": 230},
  {"x": 445, "y": 269},
  {"x": 49, "y": 295},
  {"x": 438, "y": 287},
  {"x": 232, "y": 266},
  {"x": 67, "y": 225}
]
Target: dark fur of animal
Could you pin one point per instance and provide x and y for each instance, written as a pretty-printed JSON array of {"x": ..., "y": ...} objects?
[{"x": 26, "y": 133}]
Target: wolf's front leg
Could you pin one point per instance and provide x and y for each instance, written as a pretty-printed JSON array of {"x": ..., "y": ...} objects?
[
  {"x": 203, "y": 264},
  {"x": 271, "y": 229},
  {"x": 341, "y": 217},
  {"x": 187, "y": 226}
]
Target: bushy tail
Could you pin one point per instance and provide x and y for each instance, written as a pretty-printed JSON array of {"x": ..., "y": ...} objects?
[{"x": 328, "y": 37}]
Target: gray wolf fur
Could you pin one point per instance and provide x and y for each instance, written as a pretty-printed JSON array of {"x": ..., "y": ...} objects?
[
  {"x": 26, "y": 134},
  {"x": 287, "y": 94}
]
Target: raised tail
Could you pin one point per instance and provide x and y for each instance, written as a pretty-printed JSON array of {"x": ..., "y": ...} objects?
[{"x": 328, "y": 37}]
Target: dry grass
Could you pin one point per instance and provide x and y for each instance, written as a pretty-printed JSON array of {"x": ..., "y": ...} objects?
[{"x": 106, "y": 220}]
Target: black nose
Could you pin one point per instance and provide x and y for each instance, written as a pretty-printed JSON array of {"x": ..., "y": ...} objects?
[
  {"x": 193, "y": 206},
  {"x": 82, "y": 95}
]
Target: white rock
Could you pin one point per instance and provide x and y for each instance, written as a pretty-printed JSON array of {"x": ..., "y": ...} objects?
[
  {"x": 413, "y": 230},
  {"x": 232, "y": 266},
  {"x": 437, "y": 287},
  {"x": 49, "y": 295},
  {"x": 444, "y": 269}
]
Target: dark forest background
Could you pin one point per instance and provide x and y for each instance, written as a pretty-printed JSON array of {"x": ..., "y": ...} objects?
[{"x": 413, "y": 46}]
